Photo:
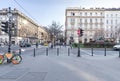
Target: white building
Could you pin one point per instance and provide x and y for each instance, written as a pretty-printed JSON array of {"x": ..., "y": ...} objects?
[
  {"x": 94, "y": 22},
  {"x": 112, "y": 24}
]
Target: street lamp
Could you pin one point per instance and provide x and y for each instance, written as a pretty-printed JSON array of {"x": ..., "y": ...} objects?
[{"x": 9, "y": 13}]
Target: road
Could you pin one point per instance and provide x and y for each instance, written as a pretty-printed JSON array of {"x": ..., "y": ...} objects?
[{"x": 62, "y": 67}]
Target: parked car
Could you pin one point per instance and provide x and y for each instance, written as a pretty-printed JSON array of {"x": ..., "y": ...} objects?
[
  {"x": 116, "y": 47},
  {"x": 25, "y": 45},
  {"x": 45, "y": 44}
]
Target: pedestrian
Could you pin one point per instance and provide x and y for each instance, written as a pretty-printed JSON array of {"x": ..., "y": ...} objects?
[
  {"x": 50, "y": 45},
  {"x": 71, "y": 45},
  {"x": 65, "y": 44},
  {"x": 36, "y": 45}
]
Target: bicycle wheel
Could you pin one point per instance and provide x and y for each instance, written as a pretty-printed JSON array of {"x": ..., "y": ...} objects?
[
  {"x": 16, "y": 59},
  {"x": 1, "y": 59}
]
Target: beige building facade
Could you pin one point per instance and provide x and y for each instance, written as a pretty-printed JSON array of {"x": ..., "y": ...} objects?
[{"x": 25, "y": 28}]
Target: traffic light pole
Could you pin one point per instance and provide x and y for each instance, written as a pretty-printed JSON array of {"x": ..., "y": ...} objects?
[
  {"x": 9, "y": 29},
  {"x": 78, "y": 47}
]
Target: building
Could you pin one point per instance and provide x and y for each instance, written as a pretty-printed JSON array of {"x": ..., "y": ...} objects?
[
  {"x": 97, "y": 23},
  {"x": 112, "y": 24},
  {"x": 25, "y": 28}
]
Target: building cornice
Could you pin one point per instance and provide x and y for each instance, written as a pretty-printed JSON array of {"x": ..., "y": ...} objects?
[{"x": 91, "y": 9}]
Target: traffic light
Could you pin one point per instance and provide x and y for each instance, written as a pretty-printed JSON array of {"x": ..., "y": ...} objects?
[
  {"x": 81, "y": 32},
  {"x": 4, "y": 26},
  {"x": 78, "y": 32},
  {"x": 12, "y": 27}
]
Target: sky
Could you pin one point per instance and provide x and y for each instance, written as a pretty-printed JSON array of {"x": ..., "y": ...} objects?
[{"x": 45, "y": 11}]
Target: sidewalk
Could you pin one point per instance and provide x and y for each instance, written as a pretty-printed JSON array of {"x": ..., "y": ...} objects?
[{"x": 62, "y": 68}]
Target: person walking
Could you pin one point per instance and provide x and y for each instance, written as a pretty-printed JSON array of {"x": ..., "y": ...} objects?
[{"x": 36, "y": 45}]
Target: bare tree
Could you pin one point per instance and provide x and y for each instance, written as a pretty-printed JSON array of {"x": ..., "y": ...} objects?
[
  {"x": 99, "y": 34},
  {"x": 54, "y": 30}
]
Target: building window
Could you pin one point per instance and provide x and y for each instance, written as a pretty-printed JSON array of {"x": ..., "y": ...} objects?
[
  {"x": 80, "y": 20},
  {"x": 116, "y": 21},
  {"x": 72, "y": 14},
  {"x": 96, "y": 20},
  {"x": 101, "y": 13},
  {"x": 107, "y": 21},
  {"x": 111, "y": 35},
  {"x": 100, "y": 20},
  {"x": 111, "y": 21},
  {"x": 90, "y": 20},
  {"x": 96, "y": 13},
  {"x": 106, "y": 35},
  {"x": 111, "y": 15},
  {"x": 85, "y": 13},
  {"x": 116, "y": 15},
  {"x": 72, "y": 20},
  {"x": 107, "y": 15},
  {"x": 90, "y": 14},
  {"x": 0, "y": 39},
  {"x": 85, "y": 20},
  {"x": 80, "y": 13},
  {"x": 91, "y": 27}
]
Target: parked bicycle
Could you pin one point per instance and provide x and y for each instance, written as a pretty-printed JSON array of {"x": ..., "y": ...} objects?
[{"x": 10, "y": 57}]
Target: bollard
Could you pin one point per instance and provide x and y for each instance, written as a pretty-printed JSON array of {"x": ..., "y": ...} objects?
[
  {"x": 46, "y": 51},
  {"x": 19, "y": 51},
  {"x": 105, "y": 52},
  {"x": 34, "y": 52},
  {"x": 78, "y": 52},
  {"x": 92, "y": 51},
  {"x": 71, "y": 46},
  {"x": 119, "y": 53},
  {"x": 68, "y": 51},
  {"x": 57, "y": 51},
  {"x": 60, "y": 45}
]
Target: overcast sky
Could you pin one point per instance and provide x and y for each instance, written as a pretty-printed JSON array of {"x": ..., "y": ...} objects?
[{"x": 46, "y": 11}]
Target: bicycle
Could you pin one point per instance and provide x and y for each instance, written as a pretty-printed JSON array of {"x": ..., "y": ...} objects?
[{"x": 10, "y": 57}]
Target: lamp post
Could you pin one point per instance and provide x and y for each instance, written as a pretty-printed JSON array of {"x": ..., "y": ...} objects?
[{"x": 9, "y": 28}]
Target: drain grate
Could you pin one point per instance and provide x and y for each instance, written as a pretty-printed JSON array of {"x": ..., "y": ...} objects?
[
  {"x": 14, "y": 74},
  {"x": 33, "y": 76}
]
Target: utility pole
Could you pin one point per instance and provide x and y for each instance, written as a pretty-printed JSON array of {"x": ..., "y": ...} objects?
[{"x": 9, "y": 28}]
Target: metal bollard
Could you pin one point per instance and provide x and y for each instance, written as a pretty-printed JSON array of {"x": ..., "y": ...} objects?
[
  {"x": 78, "y": 52},
  {"x": 19, "y": 51},
  {"x": 57, "y": 51},
  {"x": 92, "y": 51},
  {"x": 34, "y": 52},
  {"x": 105, "y": 52},
  {"x": 46, "y": 51},
  {"x": 68, "y": 51},
  {"x": 60, "y": 45},
  {"x": 119, "y": 53}
]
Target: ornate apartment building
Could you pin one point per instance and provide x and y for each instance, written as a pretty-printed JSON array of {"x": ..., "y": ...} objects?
[
  {"x": 25, "y": 28},
  {"x": 97, "y": 23}
]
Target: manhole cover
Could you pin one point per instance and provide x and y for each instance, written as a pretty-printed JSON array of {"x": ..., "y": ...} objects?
[
  {"x": 33, "y": 76},
  {"x": 14, "y": 74}
]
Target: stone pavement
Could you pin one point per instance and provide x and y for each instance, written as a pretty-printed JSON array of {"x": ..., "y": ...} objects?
[{"x": 62, "y": 68}]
